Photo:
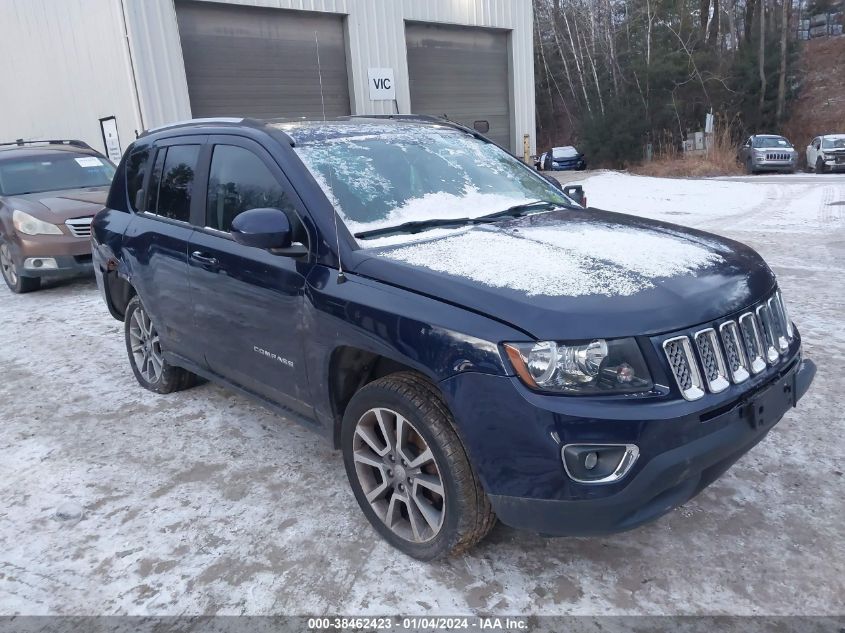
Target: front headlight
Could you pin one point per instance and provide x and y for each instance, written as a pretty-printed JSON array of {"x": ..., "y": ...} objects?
[
  {"x": 29, "y": 225},
  {"x": 591, "y": 367}
]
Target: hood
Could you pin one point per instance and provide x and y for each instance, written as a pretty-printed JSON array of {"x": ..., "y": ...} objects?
[
  {"x": 565, "y": 152},
  {"x": 58, "y": 206},
  {"x": 579, "y": 274}
]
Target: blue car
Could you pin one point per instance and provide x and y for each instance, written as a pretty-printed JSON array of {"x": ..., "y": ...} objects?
[
  {"x": 476, "y": 344},
  {"x": 563, "y": 159}
]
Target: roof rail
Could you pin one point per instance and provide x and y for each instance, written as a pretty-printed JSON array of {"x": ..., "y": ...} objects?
[
  {"x": 198, "y": 121},
  {"x": 22, "y": 143}
]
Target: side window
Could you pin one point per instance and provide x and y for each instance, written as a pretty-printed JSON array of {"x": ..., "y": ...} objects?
[
  {"x": 136, "y": 167},
  {"x": 172, "y": 181},
  {"x": 239, "y": 181},
  {"x": 155, "y": 180}
]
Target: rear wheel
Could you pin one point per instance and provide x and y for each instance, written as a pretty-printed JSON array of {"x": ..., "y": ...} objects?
[
  {"x": 17, "y": 283},
  {"x": 146, "y": 355},
  {"x": 409, "y": 471}
]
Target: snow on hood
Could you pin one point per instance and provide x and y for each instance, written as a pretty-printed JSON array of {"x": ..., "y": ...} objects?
[{"x": 575, "y": 259}]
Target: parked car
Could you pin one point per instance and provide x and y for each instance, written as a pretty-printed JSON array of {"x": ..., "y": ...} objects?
[
  {"x": 49, "y": 193},
  {"x": 826, "y": 153},
  {"x": 541, "y": 159},
  {"x": 564, "y": 159},
  {"x": 476, "y": 345},
  {"x": 768, "y": 152}
]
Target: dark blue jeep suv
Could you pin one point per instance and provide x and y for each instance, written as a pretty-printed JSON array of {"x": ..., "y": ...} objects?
[{"x": 477, "y": 345}]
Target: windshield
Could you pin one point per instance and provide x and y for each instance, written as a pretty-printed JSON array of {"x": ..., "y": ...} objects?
[
  {"x": 834, "y": 143},
  {"x": 771, "y": 141},
  {"x": 419, "y": 173},
  {"x": 53, "y": 172}
]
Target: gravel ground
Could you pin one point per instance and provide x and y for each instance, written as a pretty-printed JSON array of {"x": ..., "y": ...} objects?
[{"x": 114, "y": 500}]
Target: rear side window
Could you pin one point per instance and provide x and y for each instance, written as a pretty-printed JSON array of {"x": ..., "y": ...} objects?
[
  {"x": 136, "y": 167},
  {"x": 239, "y": 181},
  {"x": 172, "y": 182}
]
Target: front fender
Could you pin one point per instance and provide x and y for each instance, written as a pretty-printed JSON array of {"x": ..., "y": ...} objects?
[{"x": 433, "y": 337}]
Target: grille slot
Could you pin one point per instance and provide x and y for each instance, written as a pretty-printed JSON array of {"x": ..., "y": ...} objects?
[
  {"x": 752, "y": 341},
  {"x": 684, "y": 367},
  {"x": 779, "y": 322},
  {"x": 734, "y": 351},
  {"x": 769, "y": 333},
  {"x": 80, "y": 227},
  {"x": 712, "y": 361}
]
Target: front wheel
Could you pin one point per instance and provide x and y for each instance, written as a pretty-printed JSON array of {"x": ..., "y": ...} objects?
[
  {"x": 146, "y": 355},
  {"x": 409, "y": 471},
  {"x": 749, "y": 167},
  {"x": 821, "y": 168},
  {"x": 11, "y": 276}
]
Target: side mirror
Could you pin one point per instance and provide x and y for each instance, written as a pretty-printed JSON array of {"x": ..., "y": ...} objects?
[
  {"x": 139, "y": 199},
  {"x": 267, "y": 229},
  {"x": 576, "y": 192}
]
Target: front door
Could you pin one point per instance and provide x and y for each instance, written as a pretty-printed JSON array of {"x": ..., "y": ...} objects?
[
  {"x": 158, "y": 239},
  {"x": 247, "y": 302}
]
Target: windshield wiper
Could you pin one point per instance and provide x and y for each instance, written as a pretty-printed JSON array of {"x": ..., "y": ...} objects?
[
  {"x": 416, "y": 226},
  {"x": 521, "y": 209}
]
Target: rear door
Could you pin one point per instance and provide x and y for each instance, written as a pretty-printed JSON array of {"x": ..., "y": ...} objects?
[
  {"x": 157, "y": 239},
  {"x": 247, "y": 303}
]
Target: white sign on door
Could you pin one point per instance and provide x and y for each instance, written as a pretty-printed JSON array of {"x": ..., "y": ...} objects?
[{"x": 382, "y": 87}]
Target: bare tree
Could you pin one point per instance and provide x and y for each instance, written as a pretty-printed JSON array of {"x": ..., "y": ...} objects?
[
  {"x": 784, "y": 41},
  {"x": 762, "y": 56}
]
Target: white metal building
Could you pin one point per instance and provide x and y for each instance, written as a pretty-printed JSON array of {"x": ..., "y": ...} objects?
[{"x": 69, "y": 66}]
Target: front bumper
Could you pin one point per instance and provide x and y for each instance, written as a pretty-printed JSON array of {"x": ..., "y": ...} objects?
[
  {"x": 52, "y": 256},
  {"x": 775, "y": 165},
  {"x": 523, "y": 475}
]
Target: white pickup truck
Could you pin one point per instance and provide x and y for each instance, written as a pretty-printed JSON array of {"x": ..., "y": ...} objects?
[{"x": 826, "y": 153}]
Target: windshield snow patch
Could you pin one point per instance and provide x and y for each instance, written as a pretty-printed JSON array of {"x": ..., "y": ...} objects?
[{"x": 574, "y": 260}]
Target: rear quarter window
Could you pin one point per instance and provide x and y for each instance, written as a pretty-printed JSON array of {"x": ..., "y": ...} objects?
[{"x": 136, "y": 169}]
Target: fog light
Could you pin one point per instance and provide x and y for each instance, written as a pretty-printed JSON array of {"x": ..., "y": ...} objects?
[
  {"x": 598, "y": 463},
  {"x": 40, "y": 263}
]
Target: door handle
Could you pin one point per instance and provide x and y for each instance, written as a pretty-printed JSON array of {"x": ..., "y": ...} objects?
[{"x": 205, "y": 260}]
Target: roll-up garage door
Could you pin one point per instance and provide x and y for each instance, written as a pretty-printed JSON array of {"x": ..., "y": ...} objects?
[
  {"x": 262, "y": 62},
  {"x": 462, "y": 73}
]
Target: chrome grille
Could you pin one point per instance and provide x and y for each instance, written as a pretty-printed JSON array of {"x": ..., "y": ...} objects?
[
  {"x": 712, "y": 361},
  {"x": 740, "y": 348},
  {"x": 80, "y": 227},
  {"x": 737, "y": 361},
  {"x": 779, "y": 322},
  {"x": 777, "y": 156},
  {"x": 753, "y": 342},
  {"x": 769, "y": 333},
  {"x": 684, "y": 367}
]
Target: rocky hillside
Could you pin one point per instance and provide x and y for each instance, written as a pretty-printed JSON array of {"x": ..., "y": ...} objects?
[{"x": 820, "y": 106}]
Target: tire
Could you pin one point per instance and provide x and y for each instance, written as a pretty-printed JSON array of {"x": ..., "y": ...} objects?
[
  {"x": 749, "y": 167},
  {"x": 146, "y": 356},
  {"x": 821, "y": 168},
  {"x": 9, "y": 270},
  {"x": 447, "y": 522}
]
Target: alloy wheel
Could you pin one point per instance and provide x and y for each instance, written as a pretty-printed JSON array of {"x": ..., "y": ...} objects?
[
  {"x": 7, "y": 265},
  {"x": 146, "y": 346},
  {"x": 399, "y": 475}
]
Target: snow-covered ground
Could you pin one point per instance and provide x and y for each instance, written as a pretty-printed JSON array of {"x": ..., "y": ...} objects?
[{"x": 202, "y": 502}]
